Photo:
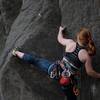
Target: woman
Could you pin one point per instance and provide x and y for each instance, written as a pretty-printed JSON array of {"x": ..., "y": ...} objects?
[
  {"x": 77, "y": 53},
  {"x": 86, "y": 49}
]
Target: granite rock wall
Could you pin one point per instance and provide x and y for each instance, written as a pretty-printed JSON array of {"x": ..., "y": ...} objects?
[{"x": 32, "y": 26}]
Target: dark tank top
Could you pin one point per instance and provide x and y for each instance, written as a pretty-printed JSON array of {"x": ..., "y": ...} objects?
[{"x": 72, "y": 57}]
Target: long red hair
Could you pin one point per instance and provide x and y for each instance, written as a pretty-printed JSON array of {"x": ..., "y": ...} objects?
[{"x": 85, "y": 38}]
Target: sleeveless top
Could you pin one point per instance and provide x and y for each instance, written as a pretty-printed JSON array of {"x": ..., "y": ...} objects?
[
  {"x": 72, "y": 58},
  {"x": 71, "y": 62}
]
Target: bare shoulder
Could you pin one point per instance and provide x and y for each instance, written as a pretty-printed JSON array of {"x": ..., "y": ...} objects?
[
  {"x": 83, "y": 55},
  {"x": 84, "y": 52}
]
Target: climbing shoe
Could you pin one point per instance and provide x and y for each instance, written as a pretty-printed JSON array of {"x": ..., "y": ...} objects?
[{"x": 14, "y": 51}]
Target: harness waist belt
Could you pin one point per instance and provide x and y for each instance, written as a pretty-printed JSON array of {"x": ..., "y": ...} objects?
[{"x": 71, "y": 65}]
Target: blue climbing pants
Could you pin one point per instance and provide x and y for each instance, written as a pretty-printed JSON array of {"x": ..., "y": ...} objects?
[{"x": 41, "y": 63}]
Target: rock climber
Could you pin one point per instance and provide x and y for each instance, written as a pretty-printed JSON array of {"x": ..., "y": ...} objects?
[{"x": 78, "y": 52}]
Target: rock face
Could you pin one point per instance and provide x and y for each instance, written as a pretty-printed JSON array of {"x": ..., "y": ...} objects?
[
  {"x": 9, "y": 10},
  {"x": 35, "y": 26},
  {"x": 32, "y": 25}
]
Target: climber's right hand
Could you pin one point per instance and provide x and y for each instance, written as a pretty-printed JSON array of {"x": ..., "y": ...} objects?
[{"x": 61, "y": 28}]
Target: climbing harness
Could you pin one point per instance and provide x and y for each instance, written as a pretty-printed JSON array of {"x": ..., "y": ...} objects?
[
  {"x": 62, "y": 70},
  {"x": 70, "y": 65}
]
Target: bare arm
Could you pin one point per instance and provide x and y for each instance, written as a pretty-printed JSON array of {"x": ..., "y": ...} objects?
[
  {"x": 61, "y": 39},
  {"x": 89, "y": 68}
]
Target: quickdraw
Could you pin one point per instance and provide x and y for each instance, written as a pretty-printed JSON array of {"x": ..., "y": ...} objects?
[{"x": 76, "y": 90}]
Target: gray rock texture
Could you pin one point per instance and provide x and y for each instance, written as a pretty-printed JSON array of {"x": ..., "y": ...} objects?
[
  {"x": 35, "y": 27},
  {"x": 9, "y": 10},
  {"x": 32, "y": 25}
]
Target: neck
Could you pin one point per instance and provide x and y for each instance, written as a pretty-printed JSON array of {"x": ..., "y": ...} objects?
[{"x": 80, "y": 43}]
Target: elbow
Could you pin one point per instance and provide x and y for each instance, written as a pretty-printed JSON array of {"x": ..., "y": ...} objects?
[
  {"x": 93, "y": 74},
  {"x": 90, "y": 73},
  {"x": 59, "y": 40}
]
